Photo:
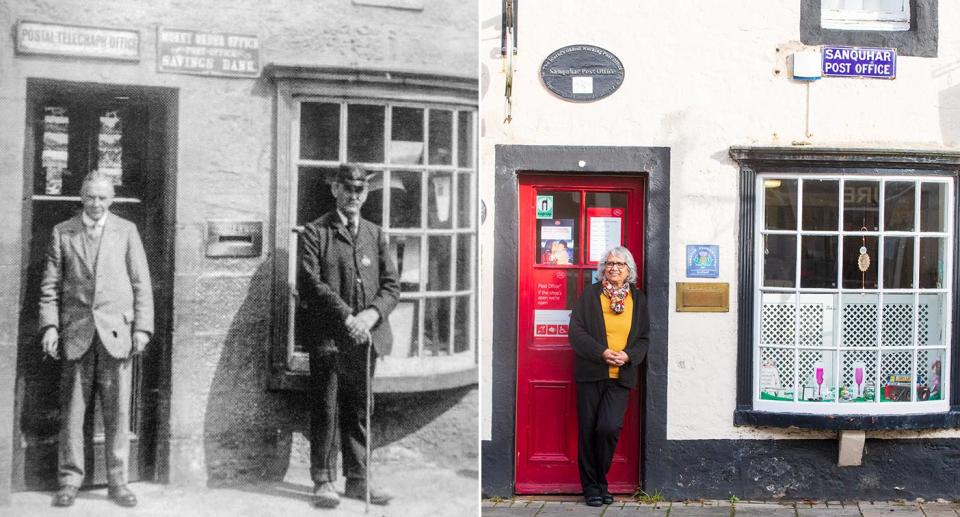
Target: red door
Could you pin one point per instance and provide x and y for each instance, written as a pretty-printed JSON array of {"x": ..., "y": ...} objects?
[{"x": 566, "y": 223}]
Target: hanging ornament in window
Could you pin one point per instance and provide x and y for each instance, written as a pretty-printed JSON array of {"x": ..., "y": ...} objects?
[{"x": 863, "y": 261}]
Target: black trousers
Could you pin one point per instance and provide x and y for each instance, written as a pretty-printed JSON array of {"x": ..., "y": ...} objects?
[
  {"x": 338, "y": 403},
  {"x": 600, "y": 409}
]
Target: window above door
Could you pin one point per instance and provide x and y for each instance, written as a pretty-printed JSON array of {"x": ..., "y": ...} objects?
[{"x": 910, "y": 26}]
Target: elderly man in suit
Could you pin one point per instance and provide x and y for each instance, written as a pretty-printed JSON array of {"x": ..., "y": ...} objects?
[
  {"x": 96, "y": 311},
  {"x": 349, "y": 285}
]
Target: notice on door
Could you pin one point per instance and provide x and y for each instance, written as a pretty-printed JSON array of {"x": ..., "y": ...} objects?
[
  {"x": 606, "y": 230},
  {"x": 550, "y": 289},
  {"x": 551, "y": 323}
]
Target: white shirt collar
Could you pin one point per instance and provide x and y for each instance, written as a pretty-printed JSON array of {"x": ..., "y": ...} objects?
[
  {"x": 91, "y": 223},
  {"x": 346, "y": 220}
]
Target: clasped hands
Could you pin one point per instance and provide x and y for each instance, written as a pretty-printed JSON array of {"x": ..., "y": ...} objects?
[
  {"x": 615, "y": 358},
  {"x": 51, "y": 342},
  {"x": 359, "y": 326}
]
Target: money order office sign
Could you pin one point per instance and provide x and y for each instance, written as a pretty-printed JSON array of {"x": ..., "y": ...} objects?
[{"x": 873, "y": 63}]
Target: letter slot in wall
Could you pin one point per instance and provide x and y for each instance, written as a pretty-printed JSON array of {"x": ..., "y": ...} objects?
[{"x": 232, "y": 238}]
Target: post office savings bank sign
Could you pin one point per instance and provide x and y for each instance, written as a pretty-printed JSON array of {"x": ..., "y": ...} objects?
[{"x": 582, "y": 73}]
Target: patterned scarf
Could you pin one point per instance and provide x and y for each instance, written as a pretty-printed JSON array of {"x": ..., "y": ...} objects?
[{"x": 616, "y": 295}]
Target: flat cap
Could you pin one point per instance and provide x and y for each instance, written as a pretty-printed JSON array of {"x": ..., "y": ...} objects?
[{"x": 351, "y": 173}]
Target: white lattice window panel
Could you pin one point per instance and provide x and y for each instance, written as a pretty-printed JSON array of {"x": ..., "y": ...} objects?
[
  {"x": 777, "y": 325},
  {"x": 859, "y": 324},
  {"x": 897, "y": 324},
  {"x": 811, "y": 325},
  {"x": 782, "y": 359}
]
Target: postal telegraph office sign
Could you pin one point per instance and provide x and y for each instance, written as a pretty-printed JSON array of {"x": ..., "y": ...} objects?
[
  {"x": 60, "y": 39},
  {"x": 872, "y": 63},
  {"x": 207, "y": 53},
  {"x": 582, "y": 73}
]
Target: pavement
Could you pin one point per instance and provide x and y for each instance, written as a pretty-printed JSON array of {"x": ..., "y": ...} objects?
[
  {"x": 570, "y": 506},
  {"x": 419, "y": 490}
]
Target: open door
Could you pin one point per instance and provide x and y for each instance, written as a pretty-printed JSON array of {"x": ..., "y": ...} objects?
[
  {"x": 566, "y": 222},
  {"x": 73, "y": 128}
]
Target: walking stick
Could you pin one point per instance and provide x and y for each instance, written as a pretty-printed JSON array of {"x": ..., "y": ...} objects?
[{"x": 366, "y": 483}]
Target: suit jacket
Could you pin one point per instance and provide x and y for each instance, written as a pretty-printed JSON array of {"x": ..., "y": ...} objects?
[
  {"x": 588, "y": 337},
  {"x": 342, "y": 275},
  {"x": 110, "y": 299}
]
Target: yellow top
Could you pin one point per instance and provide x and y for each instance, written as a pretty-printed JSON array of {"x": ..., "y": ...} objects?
[{"x": 618, "y": 327}]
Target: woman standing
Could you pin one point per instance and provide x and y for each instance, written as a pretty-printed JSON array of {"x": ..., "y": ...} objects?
[{"x": 609, "y": 332}]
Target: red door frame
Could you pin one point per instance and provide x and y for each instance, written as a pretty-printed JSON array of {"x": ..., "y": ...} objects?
[{"x": 546, "y": 455}]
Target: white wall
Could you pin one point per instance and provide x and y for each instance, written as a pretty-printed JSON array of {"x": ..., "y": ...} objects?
[{"x": 701, "y": 76}]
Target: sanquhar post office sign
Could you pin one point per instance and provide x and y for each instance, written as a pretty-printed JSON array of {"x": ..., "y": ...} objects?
[
  {"x": 60, "y": 39},
  {"x": 207, "y": 53},
  {"x": 582, "y": 72}
]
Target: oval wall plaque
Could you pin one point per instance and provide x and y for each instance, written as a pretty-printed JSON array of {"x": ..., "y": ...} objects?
[{"x": 582, "y": 73}]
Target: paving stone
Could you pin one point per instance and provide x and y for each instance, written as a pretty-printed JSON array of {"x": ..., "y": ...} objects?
[
  {"x": 940, "y": 509},
  {"x": 698, "y": 510},
  {"x": 832, "y": 511},
  {"x": 878, "y": 509},
  {"x": 635, "y": 510},
  {"x": 569, "y": 509},
  {"x": 760, "y": 509},
  {"x": 502, "y": 510}
]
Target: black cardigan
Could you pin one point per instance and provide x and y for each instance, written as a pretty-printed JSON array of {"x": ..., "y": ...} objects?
[{"x": 588, "y": 336}]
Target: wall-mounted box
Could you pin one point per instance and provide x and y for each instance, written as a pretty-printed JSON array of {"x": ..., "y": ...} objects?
[
  {"x": 234, "y": 238},
  {"x": 703, "y": 297}
]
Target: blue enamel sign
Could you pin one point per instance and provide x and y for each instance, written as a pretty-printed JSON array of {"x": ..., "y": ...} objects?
[
  {"x": 703, "y": 261},
  {"x": 873, "y": 63}
]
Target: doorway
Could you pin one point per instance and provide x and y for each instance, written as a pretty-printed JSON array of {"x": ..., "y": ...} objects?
[
  {"x": 566, "y": 223},
  {"x": 129, "y": 132}
]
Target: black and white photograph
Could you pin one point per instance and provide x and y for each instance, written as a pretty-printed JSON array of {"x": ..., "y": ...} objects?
[{"x": 238, "y": 258}]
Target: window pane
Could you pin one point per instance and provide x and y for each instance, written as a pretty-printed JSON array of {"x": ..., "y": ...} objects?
[
  {"x": 372, "y": 209},
  {"x": 464, "y": 200},
  {"x": 930, "y": 363},
  {"x": 465, "y": 147},
  {"x": 816, "y": 375},
  {"x": 858, "y": 324},
  {"x": 438, "y": 269},
  {"x": 933, "y": 207},
  {"x": 779, "y": 260},
  {"x": 465, "y": 255},
  {"x": 365, "y": 133},
  {"x": 462, "y": 324},
  {"x": 406, "y": 136},
  {"x": 313, "y": 193},
  {"x": 557, "y": 237},
  {"x": 861, "y": 206},
  {"x": 780, "y": 204},
  {"x": 55, "y": 153},
  {"x": 441, "y": 137},
  {"x": 820, "y": 204},
  {"x": 931, "y": 320},
  {"x": 896, "y": 375},
  {"x": 818, "y": 261},
  {"x": 897, "y": 320},
  {"x": 860, "y": 252},
  {"x": 899, "y": 209},
  {"x": 776, "y": 373},
  {"x": 858, "y": 381},
  {"x": 405, "y": 324},
  {"x": 436, "y": 327},
  {"x": 932, "y": 262},
  {"x": 405, "y": 199},
  {"x": 319, "y": 131},
  {"x": 778, "y": 319},
  {"x": 440, "y": 197},
  {"x": 817, "y": 313},
  {"x": 898, "y": 262},
  {"x": 405, "y": 250}
]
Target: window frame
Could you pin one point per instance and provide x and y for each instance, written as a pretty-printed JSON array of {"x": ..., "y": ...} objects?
[
  {"x": 920, "y": 40},
  {"x": 289, "y": 368},
  {"x": 850, "y": 19},
  {"x": 807, "y": 162}
]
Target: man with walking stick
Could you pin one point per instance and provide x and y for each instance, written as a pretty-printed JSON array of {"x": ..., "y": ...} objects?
[{"x": 349, "y": 285}]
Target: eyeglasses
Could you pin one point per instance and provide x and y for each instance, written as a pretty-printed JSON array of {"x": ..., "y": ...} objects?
[{"x": 615, "y": 265}]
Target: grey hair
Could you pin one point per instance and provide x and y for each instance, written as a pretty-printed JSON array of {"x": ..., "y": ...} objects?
[
  {"x": 627, "y": 257},
  {"x": 96, "y": 176}
]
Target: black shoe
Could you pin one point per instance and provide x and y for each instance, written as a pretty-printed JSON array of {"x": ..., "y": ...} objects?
[
  {"x": 356, "y": 489},
  {"x": 122, "y": 495},
  {"x": 607, "y": 498},
  {"x": 594, "y": 500},
  {"x": 65, "y": 496}
]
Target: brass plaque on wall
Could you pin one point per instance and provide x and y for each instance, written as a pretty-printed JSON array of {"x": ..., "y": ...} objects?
[
  {"x": 232, "y": 238},
  {"x": 703, "y": 297}
]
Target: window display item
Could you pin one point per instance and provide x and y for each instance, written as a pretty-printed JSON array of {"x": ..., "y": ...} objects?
[
  {"x": 56, "y": 141},
  {"x": 109, "y": 147}
]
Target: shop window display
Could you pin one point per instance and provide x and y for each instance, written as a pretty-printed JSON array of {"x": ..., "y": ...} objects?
[{"x": 853, "y": 298}]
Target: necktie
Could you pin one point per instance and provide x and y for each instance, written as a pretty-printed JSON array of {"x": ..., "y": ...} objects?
[{"x": 352, "y": 226}]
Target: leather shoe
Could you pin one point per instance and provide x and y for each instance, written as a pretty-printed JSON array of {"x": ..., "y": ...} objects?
[
  {"x": 65, "y": 496},
  {"x": 325, "y": 496},
  {"x": 607, "y": 498},
  {"x": 594, "y": 500},
  {"x": 355, "y": 489},
  {"x": 122, "y": 495}
]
